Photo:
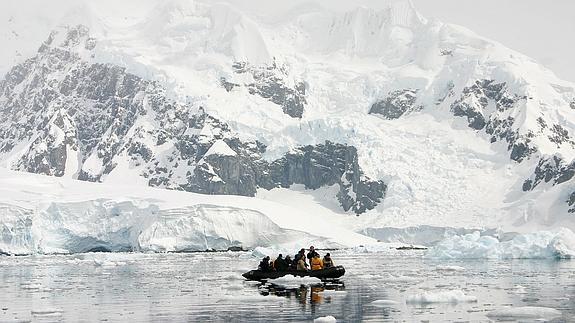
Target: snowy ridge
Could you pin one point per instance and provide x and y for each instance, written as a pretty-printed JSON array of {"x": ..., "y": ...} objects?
[{"x": 219, "y": 147}]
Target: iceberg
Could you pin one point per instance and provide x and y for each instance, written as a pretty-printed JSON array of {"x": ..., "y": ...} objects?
[
  {"x": 447, "y": 296},
  {"x": 383, "y": 302},
  {"x": 290, "y": 281},
  {"x": 325, "y": 319},
  {"x": 525, "y": 312},
  {"x": 536, "y": 245}
]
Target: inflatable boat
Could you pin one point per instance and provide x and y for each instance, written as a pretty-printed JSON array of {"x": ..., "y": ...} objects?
[{"x": 327, "y": 273}]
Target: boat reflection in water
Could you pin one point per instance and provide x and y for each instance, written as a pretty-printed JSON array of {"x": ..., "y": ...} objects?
[{"x": 304, "y": 294}]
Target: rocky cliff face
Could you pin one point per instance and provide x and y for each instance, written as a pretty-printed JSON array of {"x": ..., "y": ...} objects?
[
  {"x": 485, "y": 105},
  {"x": 396, "y": 104},
  {"x": 325, "y": 165},
  {"x": 61, "y": 115},
  {"x": 271, "y": 83},
  {"x": 553, "y": 170},
  {"x": 490, "y": 106}
]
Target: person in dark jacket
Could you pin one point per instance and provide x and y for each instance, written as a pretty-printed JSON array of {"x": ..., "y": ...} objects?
[
  {"x": 280, "y": 264},
  {"x": 312, "y": 253},
  {"x": 288, "y": 262},
  {"x": 265, "y": 264}
]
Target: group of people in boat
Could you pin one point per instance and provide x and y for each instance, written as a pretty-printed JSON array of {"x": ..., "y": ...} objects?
[{"x": 298, "y": 262}]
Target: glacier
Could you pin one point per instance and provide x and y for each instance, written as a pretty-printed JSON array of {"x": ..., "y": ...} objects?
[{"x": 42, "y": 214}]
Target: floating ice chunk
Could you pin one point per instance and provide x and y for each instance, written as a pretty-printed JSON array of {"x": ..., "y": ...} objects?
[
  {"x": 383, "y": 302},
  {"x": 108, "y": 263},
  {"x": 542, "y": 244},
  {"x": 447, "y": 296},
  {"x": 330, "y": 292},
  {"x": 233, "y": 277},
  {"x": 525, "y": 312},
  {"x": 520, "y": 289},
  {"x": 325, "y": 319},
  {"x": 234, "y": 286},
  {"x": 291, "y": 281},
  {"x": 449, "y": 268},
  {"x": 365, "y": 276},
  {"x": 47, "y": 312},
  {"x": 399, "y": 279}
]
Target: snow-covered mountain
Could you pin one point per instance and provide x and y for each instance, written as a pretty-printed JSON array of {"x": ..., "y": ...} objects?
[
  {"x": 383, "y": 113},
  {"x": 96, "y": 121}
]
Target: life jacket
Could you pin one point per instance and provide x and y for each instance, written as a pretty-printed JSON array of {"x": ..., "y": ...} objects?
[
  {"x": 316, "y": 263},
  {"x": 327, "y": 263}
]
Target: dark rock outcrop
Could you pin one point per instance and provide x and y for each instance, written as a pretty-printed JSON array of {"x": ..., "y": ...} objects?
[
  {"x": 571, "y": 202},
  {"x": 475, "y": 99},
  {"x": 553, "y": 169},
  {"x": 325, "y": 165},
  {"x": 396, "y": 104},
  {"x": 474, "y": 105},
  {"x": 271, "y": 82},
  {"x": 224, "y": 174}
]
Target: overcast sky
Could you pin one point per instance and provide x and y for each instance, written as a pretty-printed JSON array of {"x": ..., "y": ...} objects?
[{"x": 541, "y": 29}]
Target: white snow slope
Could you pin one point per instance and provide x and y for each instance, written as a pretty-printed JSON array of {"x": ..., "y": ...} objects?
[{"x": 440, "y": 172}]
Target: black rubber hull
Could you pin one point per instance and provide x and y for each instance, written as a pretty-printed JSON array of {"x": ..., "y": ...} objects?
[{"x": 328, "y": 273}]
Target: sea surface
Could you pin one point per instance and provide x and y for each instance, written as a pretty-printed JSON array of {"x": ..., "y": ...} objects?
[{"x": 208, "y": 287}]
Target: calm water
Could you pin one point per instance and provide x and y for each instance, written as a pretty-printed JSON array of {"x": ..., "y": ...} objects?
[{"x": 209, "y": 287}]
